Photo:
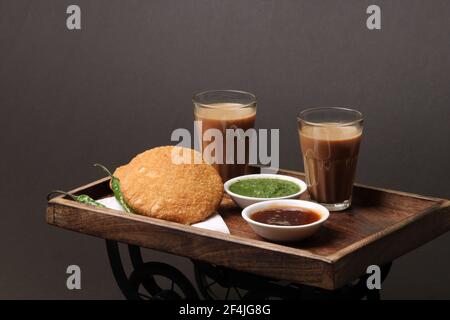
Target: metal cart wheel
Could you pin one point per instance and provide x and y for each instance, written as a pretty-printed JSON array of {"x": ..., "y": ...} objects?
[
  {"x": 144, "y": 277},
  {"x": 220, "y": 283},
  {"x": 214, "y": 283},
  {"x": 175, "y": 287}
]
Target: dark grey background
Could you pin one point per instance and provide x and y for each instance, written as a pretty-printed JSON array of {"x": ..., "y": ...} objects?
[{"x": 124, "y": 82}]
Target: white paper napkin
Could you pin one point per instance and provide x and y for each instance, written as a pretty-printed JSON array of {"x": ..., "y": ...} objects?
[{"x": 214, "y": 222}]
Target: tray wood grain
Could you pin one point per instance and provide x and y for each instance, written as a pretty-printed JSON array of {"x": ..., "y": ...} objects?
[{"x": 381, "y": 226}]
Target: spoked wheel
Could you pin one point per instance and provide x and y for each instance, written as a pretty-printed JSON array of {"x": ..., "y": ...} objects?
[
  {"x": 151, "y": 280},
  {"x": 219, "y": 283},
  {"x": 160, "y": 281}
]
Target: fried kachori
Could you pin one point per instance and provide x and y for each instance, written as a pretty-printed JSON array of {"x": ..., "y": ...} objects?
[{"x": 157, "y": 185}]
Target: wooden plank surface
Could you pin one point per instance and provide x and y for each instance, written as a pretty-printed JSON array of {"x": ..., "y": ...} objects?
[{"x": 381, "y": 226}]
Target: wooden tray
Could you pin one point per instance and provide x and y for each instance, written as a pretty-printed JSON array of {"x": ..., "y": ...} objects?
[{"x": 381, "y": 226}]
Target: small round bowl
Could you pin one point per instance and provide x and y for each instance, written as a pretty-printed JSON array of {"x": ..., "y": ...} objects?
[
  {"x": 244, "y": 201},
  {"x": 285, "y": 233}
]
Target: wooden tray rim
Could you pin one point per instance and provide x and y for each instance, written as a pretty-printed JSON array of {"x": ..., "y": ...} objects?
[{"x": 266, "y": 245}]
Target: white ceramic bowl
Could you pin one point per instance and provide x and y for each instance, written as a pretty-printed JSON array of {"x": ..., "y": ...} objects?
[
  {"x": 285, "y": 233},
  {"x": 243, "y": 201}
]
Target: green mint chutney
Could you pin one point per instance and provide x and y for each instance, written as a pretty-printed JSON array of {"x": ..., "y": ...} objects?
[{"x": 264, "y": 188}]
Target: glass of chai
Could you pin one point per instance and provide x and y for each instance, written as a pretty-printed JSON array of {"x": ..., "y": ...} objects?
[
  {"x": 222, "y": 110},
  {"x": 330, "y": 139}
]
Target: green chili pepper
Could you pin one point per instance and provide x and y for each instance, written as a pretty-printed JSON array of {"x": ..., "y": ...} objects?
[
  {"x": 115, "y": 185},
  {"x": 82, "y": 198}
]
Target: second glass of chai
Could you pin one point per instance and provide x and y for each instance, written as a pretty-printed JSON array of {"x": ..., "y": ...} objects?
[
  {"x": 330, "y": 139},
  {"x": 222, "y": 110}
]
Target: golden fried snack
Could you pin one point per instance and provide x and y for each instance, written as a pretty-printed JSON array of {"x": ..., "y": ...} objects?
[{"x": 157, "y": 185}]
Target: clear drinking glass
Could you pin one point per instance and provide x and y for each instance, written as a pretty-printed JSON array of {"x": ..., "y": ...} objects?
[
  {"x": 330, "y": 139},
  {"x": 222, "y": 110}
]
